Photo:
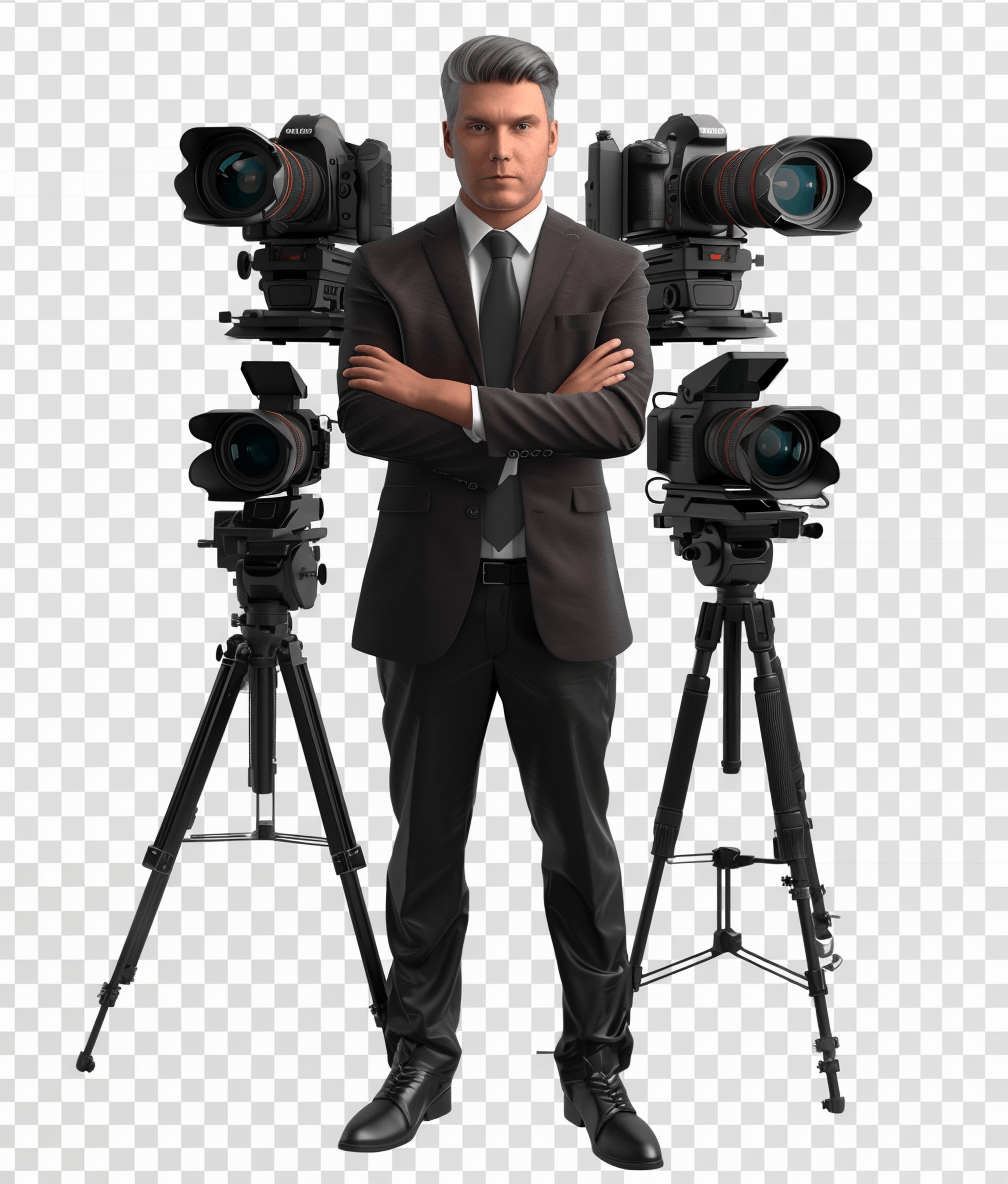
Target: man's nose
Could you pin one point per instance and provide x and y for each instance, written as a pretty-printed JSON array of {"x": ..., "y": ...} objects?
[{"x": 500, "y": 148}]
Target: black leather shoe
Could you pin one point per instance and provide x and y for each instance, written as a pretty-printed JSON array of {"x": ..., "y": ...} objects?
[
  {"x": 598, "y": 1102},
  {"x": 418, "y": 1087}
]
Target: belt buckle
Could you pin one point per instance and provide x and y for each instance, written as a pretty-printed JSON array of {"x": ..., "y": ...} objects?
[{"x": 496, "y": 563}]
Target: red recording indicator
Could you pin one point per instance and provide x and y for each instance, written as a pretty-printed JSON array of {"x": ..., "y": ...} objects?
[{"x": 715, "y": 256}]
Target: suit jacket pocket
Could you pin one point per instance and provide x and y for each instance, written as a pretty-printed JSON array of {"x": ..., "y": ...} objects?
[
  {"x": 404, "y": 499},
  {"x": 590, "y": 499},
  {"x": 579, "y": 320}
]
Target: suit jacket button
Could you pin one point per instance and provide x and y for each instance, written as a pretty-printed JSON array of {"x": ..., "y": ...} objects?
[
  {"x": 534, "y": 452},
  {"x": 524, "y": 452},
  {"x": 547, "y": 452},
  {"x": 472, "y": 485},
  {"x": 473, "y": 511},
  {"x": 513, "y": 452}
]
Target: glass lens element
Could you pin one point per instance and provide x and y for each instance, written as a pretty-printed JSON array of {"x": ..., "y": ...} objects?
[
  {"x": 240, "y": 179},
  {"x": 799, "y": 187},
  {"x": 254, "y": 450},
  {"x": 778, "y": 450}
]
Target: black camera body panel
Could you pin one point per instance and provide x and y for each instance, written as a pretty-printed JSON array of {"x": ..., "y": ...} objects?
[
  {"x": 695, "y": 273},
  {"x": 634, "y": 195}
]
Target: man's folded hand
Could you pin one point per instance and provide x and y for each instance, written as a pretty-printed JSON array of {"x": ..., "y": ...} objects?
[
  {"x": 373, "y": 369},
  {"x": 604, "y": 366}
]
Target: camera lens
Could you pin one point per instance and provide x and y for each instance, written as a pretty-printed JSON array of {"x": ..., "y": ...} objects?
[
  {"x": 799, "y": 187},
  {"x": 240, "y": 179},
  {"x": 765, "y": 186},
  {"x": 779, "y": 449},
  {"x": 254, "y": 451},
  {"x": 262, "y": 452},
  {"x": 302, "y": 188},
  {"x": 748, "y": 448}
]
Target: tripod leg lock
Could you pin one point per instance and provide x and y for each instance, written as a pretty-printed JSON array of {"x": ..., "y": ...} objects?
[
  {"x": 108, "y": 995},
  {"x": 157, "y": 860},
  {"x": 666, "y": 831},
  {"x": 816, "y": 982},
  {"x": 348, "y": 861}
]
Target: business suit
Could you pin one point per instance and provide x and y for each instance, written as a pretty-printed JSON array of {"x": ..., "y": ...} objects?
[{"x": 447, "y": 643}]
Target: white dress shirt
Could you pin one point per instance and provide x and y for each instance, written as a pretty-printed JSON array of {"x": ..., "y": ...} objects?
[{"x": 471, "y": 231}]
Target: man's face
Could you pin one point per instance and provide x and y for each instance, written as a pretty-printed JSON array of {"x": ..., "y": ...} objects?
[{"x": 501, "y": 142}]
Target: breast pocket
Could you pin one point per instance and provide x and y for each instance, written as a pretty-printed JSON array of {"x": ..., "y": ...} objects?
[
  {"x": 583, "y": 322},
  {"x": 404, "y": 499},
  {"x": 590, "y": 499}
]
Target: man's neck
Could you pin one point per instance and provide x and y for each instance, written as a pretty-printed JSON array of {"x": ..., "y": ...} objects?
[{"x": 500, "y": 219}]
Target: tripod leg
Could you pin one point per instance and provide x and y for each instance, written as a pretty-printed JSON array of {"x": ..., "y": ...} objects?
[
  {"x": 668, "y": 816},
  {"x": 820, "y": 917},
  {"x": 731, "y": 674},
  {"x": 790, "y": 824},
  {"x": 343, "y": 847},
  {"x": 160, "y": 857}
]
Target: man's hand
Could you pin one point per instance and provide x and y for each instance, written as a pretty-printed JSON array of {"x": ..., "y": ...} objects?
[
  {"x": 604, "y": 366},
  {"x": 372, "y": 369}
]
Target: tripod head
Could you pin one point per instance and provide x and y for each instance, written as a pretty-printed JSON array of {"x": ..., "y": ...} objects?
[{"x": 728, "y": 534}]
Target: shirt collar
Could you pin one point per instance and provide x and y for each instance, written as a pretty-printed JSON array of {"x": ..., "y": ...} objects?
[{"x": 472, "y": 228}]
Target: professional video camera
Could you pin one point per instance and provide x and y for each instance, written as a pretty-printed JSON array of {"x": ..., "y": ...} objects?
[
  {"x": 297, "y": 194},
  {"x": 685, "y": 190}
]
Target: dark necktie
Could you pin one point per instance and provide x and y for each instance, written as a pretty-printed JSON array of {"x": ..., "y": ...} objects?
[{"x": 500, "y": 317}]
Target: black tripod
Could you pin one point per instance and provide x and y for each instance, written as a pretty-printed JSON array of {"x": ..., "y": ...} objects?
[
  {"x": 740, "y": 563},
  {"x": 268, "y": 545}
]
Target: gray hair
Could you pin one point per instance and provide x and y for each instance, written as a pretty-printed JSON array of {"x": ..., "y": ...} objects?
[{"x": 497, "y": 59}]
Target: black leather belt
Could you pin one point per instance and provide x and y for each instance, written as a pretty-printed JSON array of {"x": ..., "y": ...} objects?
[{"x": 504, "y": 571}]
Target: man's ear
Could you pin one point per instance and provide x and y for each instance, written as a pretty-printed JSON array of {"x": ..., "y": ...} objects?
[
  {"x": 554, "y": 138},
  {"x": 446, "y": 136}
]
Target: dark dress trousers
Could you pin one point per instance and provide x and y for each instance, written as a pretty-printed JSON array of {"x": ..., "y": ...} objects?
[{"x": 447, "y": 643}]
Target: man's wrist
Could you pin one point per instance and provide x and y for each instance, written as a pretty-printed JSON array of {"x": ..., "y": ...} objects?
[{"x": 449, "y": 400}]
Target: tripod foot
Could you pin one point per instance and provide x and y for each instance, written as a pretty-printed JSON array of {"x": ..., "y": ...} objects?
[
  {"x": 85, "y": 1063},
  {"x": 833, "y": 1105}
]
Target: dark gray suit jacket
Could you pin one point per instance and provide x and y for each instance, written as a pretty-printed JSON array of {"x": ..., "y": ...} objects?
[{"x": 411, "y": 295}]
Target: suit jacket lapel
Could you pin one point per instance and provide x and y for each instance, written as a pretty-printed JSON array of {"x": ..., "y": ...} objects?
[
  {"x": 443, "y": 247},
  {"x": 553, "y": 252}
]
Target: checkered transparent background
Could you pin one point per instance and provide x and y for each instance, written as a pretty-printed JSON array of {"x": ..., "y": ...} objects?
[{"x": 246, "y": 1042}]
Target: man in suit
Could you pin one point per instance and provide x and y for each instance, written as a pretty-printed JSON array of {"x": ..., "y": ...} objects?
[{"x": 494, "y": 355}]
